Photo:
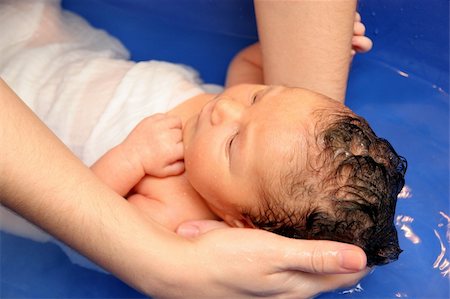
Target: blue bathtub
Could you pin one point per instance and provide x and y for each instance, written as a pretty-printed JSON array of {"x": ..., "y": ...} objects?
[{"x": 401, "y": 87}]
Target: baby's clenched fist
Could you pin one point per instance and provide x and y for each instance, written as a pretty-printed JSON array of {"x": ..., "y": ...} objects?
[{"x": 156, "y": 145}]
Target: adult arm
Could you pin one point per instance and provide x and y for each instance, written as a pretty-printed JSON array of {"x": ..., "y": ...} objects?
[
  {"x": 307, "y": 43},
  {"x": 41, "y": 180}
]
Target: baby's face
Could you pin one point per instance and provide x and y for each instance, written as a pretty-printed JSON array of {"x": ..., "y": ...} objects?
[{"x": 244, "y": 134}]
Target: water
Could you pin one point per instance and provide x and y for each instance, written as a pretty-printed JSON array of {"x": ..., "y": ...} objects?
[{"x": 410, "y": 110}]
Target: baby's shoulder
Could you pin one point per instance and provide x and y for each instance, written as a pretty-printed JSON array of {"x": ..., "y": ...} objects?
[{"x": 170, "y": 201}]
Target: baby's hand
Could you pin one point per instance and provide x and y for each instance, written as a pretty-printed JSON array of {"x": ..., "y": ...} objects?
[
  {"x": 360, "y": 42},
  {"x": 156, "y": 145}
]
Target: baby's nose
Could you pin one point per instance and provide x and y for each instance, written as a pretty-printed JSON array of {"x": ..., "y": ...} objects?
[{"x": 226, "y": 110}]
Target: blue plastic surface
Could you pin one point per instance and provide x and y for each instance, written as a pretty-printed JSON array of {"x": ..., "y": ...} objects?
[{"x": 401, "y": 87}]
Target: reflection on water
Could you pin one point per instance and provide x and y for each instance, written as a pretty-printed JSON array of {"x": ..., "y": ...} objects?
[
  {"x": 404, "y": 222},
  {"x": 403, "y": 74},
  {"x": 356, "y": 289},
  {"x": 446, "y": 217},
  {"x": 442, "y": 262},
  {"x": 405, "y": 193}
]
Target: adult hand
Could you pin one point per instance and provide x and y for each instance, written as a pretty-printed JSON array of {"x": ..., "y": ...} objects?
[{"x": 245, "y": 263}]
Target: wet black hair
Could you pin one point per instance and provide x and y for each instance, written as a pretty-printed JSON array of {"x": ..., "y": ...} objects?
[{"x": 348, "y": 193}]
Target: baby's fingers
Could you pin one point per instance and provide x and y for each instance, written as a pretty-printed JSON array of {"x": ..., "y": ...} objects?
[
  {"x": 172, "y": 122},
  {"x": 173, "y": 163},
  {"x": 175, "y": 168},
  {"x": 359, "y": 29},
  {"x": 361, "y": 44},
  {"x": 176, "y": 152}
]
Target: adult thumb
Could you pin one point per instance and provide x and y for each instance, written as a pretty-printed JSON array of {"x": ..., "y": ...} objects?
[{"x": 192, "y": 229}]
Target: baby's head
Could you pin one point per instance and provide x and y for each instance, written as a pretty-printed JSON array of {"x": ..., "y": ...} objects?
[{"x": 298, "y": 164}]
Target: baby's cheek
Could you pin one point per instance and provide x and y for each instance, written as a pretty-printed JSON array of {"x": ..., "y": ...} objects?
[
  {"x": 194, "y": 170},
  {"x": 206, "y": 183}
]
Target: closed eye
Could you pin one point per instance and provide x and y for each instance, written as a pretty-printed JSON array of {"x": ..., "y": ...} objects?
[
  {"x": 254, "y": 98},
  {"x": 229, "y": 144}
]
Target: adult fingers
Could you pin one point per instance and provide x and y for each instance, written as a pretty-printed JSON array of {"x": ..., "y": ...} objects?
[
  {"x": 284, "y": 254},
  {"x": 310, "y": 285},
  {"x": 340, "y": 281},
  {"x": 322, "y": 257}
]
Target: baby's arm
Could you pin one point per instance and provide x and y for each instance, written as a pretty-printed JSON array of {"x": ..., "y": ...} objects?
[
  {"x": 154, "y": 147},
  {"x": 246, "y": 67}
]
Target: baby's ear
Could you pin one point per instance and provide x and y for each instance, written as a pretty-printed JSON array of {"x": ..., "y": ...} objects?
[
  {"x": 241, "y": 222},
  {"x": 247, "y": 222}
]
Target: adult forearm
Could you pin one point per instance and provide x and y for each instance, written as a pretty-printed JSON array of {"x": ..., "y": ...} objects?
[{"x": 307, "y": 43}]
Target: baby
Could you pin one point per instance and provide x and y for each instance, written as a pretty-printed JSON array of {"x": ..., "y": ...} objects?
[{"x": 286, "y": 160}]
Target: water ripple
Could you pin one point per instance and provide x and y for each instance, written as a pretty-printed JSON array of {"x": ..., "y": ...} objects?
[{"x": 442, "y": 262}]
